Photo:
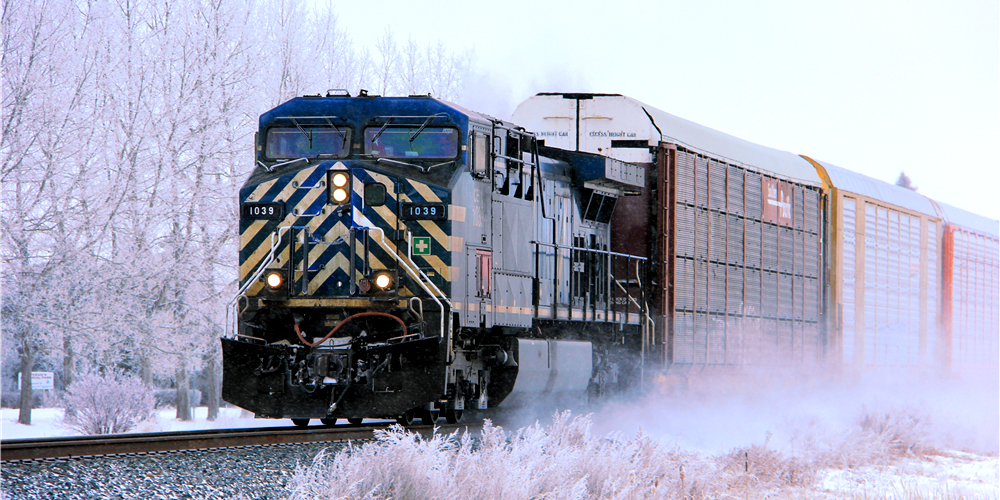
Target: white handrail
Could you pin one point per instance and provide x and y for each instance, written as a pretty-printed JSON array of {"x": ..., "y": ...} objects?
[
  {"x": 647, "y": 334},
  {"x": 647, "y": 327},
  {"x": 230, "y": 308}
]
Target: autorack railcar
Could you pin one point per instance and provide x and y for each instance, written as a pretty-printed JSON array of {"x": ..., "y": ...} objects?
[
  {"x": 733, "y": 230},
  {"x": 884, "y": 272},
  {"x": 970, "y": 291}
]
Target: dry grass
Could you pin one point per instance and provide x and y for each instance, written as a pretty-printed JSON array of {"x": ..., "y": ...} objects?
[{"x": 564, "y": 460}]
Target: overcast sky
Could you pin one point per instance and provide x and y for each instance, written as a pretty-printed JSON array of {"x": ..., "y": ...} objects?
[{"x": 875, "y": 87}]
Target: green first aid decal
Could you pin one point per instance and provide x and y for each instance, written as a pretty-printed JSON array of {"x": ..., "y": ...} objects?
[{"x": 421, "y": 245}]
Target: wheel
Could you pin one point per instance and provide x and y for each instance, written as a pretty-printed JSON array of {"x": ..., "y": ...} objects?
[
  {"x": 429, "y": 417},
  {"x": 453, "y": 416},
  {"x": 355, "y": 420},
  {"x": 405, "y": 419},
  {"x": 301, "y": 422},
  {"x": 329, "y": 422}
]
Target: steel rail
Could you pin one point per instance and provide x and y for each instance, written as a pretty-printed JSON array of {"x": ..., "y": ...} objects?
[{"x": 13, "y": 450}]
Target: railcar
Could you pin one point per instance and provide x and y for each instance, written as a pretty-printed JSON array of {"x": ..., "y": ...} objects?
[
  {"x": 762, "y": 257},
  {"x": 406, "y": 257},
  {"x": 970, "y": 291},
  {"x": 884, "y": 273},
  {"x": 913, "y": 282},
  {"x": 733, "y": 231}
]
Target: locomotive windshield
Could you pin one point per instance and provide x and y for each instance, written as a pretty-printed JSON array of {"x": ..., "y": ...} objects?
[
  {"x": 411, "y": 142},
  {"x": 307, "y": 142}
]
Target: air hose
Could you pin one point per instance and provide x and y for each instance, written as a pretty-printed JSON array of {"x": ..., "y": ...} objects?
[{"x": 342, "y": 323}]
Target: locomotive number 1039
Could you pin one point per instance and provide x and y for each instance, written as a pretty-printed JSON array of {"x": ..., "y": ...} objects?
[
  {"x": 262, "y": 211},
  {"x": 424, "y": 211}
]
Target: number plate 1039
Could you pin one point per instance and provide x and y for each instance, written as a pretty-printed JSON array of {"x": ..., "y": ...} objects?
[
  {"x": 424, "y": 211},
  {"x": 262, "y": 211}
]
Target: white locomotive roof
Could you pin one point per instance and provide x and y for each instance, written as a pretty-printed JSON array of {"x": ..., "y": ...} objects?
[
  {"x": 970, "y": 221},
  {"x": 627, "y": 118},
  {"x": 853, "y": 182}
]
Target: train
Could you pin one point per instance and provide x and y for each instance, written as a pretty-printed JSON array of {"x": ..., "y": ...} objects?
[{"x": 407, "y": 258}]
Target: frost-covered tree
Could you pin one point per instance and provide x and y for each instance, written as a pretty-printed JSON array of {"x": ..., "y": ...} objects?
[
  {"x": 412, "y": 69},
  {"x": 51, "y": 215},
  {"x": 904, "y": 181},
  {"x": 126, "y": 132},
  {"x": 337, "y": 64}
]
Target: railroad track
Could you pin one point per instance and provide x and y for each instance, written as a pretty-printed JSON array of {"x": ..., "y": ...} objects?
[{"x": 14, "y": 450}]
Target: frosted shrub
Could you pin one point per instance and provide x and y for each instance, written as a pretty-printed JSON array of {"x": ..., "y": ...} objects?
[
  {"x": 560, "y": 461},
  {"x": 882, "y": 437},
  {"x": 565, "y": 461},
  {"x": 109, "y": 403},
  {"x": 758, "y": 467}
]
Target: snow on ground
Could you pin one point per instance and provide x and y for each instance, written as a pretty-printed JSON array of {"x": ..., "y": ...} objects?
[
  {"x": 48, "y": 422},
  {"x": 951, "y": 474}
]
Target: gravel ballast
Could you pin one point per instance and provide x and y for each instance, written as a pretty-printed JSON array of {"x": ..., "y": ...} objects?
[{"x": 257, "y": 472}]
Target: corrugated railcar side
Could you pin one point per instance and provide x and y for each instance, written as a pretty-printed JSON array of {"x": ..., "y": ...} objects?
[
  {"x": 970, "y": 315},
  {"x": 737, "y": 254},
  {"x": 884, "y": 274}
]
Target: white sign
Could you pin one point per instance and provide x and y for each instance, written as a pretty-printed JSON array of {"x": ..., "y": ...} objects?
[{"x": 44, "y": 381}]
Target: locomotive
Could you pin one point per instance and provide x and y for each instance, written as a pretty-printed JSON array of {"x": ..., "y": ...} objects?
[{"x": 404, "y": 257}]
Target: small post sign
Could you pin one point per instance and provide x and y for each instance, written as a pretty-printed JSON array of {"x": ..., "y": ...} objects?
[{"x": 40, "y": 381}]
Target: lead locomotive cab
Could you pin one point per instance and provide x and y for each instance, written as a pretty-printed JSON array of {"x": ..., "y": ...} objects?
[{"x": 351, "y": 296}]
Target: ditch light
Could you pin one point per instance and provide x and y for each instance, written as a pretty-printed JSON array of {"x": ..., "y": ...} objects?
[
  {"x": 379, "y": 283},
  {"x": 275, "y": 284}
]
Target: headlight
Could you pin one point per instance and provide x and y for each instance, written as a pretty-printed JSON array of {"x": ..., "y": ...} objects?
[
  {"x": 340, "y": 186},
  {"x": 273, "y": 280},
  {"x": 383, "y": 280},
  {"x": 339, "y": 179}
]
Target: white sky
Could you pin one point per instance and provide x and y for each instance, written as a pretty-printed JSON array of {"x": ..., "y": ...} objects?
[{"x": 875, "y": 87}]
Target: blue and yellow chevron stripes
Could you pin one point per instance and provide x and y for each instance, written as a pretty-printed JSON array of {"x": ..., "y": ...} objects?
[
  {"x": 304, "y": 196},
  {"x": 385, "y": 217}
]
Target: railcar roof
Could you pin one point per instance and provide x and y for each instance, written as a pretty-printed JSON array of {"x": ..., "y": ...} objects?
[
  {"x": 704, "y": 139},
  {"x": 968, "y": 220},
  {"x": 698, "y": 138},
  {"x": 853, "y": 182}
]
